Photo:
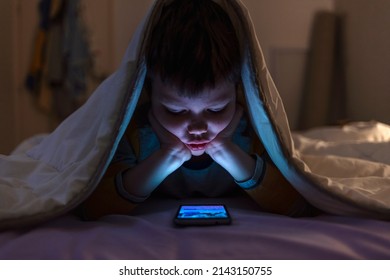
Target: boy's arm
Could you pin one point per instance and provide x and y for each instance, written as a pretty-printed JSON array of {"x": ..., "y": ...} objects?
[
  {"x": 258, "y": 176},
  {"x": 274, "y": 193},
  {"x": 128, "y": 182},
  {"x": 230, "y": 156},
  {"x": 271, "y": 191},
  {"x": 122, "y": 188},
  {"x": 144, "y": 178}
]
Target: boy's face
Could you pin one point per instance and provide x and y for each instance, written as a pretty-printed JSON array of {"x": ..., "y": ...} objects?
[{"x": 195, "y": 121}]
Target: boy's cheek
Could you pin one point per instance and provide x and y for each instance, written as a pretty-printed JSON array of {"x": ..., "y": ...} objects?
[{"x": 176, "y": 132}]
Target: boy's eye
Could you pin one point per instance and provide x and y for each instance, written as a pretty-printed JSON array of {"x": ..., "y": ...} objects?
[
  {"x": 216, "y": 110},
  {"x": 175, "y": 112}
]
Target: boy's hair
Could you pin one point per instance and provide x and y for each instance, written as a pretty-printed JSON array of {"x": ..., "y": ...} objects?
[{"x": 193, "y": 46}]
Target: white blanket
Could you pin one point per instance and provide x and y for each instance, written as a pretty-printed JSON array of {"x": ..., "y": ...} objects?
[
  {"x": 59, "y": 172},
  {"x": 352, "y": 161}
]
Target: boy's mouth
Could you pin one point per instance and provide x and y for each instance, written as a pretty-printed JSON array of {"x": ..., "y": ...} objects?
[{"x": 197, "y": 146}]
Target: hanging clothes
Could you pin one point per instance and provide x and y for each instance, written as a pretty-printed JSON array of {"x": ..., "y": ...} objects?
[{"x": 61, "y": 59}]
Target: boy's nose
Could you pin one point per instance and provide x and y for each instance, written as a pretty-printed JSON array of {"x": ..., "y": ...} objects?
[{"x": 197, "y": 127}]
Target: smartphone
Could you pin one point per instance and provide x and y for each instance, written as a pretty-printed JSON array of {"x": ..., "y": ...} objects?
[{"x": 202, "y": 214}]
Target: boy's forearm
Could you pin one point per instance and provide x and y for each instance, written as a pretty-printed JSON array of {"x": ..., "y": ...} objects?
[
  {"x": 234, "y": 160},
  {"x": 142, "y": 179}
]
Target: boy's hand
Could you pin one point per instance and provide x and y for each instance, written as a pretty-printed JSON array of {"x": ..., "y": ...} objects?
[
  {"x": 223, "y": 139},
  {"x": 168, "y": 141},
  {"x": 230, "y": 156}
]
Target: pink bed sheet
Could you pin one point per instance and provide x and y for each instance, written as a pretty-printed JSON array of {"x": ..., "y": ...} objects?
[{"x": 149, "y": 233}]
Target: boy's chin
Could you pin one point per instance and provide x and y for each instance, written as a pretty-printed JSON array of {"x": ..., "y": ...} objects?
[{"x": 198, "y": 153}]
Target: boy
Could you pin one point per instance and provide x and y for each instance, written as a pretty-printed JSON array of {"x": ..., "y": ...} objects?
[{"x": 193, "y": 137}]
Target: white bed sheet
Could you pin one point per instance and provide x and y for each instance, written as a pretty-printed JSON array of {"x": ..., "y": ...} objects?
[{"x": 149, "y": 233}]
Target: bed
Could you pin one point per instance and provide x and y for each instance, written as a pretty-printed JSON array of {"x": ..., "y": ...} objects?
[
  {"x": 149, "y": 232},
  {"x": 344, "y": 171}
]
